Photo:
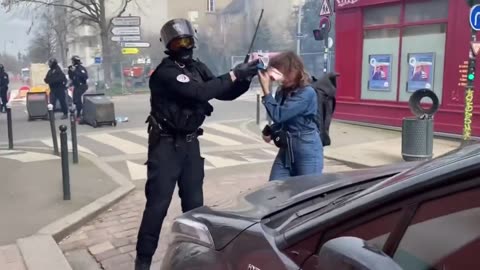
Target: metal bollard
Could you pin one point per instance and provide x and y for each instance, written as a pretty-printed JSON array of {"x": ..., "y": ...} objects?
[
  {"x": 73, "y": 129},
  {"x": 51, "y": 117},
  {"x": 258, "y": 108},
  {"x": 10, "y": 126},
  {"x": 65, "y": 171}
]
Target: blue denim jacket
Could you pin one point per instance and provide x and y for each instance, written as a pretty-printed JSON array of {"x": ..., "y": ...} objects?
[
  {"x": 297, "y": 113},
  {"x": 304, "y": 156}
]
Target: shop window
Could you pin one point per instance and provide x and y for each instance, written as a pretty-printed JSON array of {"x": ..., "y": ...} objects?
[
  {"x": 426, "y": 10},
  {"x": 380, "y": 64},
  {"x": 382, "y": 15},
  {"x": 423, "y": 56}
]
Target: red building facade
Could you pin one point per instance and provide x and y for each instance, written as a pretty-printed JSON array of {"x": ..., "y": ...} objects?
[{"x": 386, "y": 49}]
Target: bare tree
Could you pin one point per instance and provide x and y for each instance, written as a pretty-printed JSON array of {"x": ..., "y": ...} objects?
[
  {"x": 43, "y": 45},
  {"x": 88, "y": 11}
]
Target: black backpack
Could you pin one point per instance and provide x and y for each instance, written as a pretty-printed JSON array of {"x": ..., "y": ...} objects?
[{"x": 326, "y": 89}]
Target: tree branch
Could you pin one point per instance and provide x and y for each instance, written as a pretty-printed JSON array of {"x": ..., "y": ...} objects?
[
  {"x": 45, "y": 3},
  {"x": 122, "y": 10}
]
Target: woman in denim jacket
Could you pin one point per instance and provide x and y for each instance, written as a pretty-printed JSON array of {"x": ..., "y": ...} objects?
[{"x": 293, "y": 112}]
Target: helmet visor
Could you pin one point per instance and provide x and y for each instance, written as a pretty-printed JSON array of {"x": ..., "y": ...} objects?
[{"x": 179, "y": 43}]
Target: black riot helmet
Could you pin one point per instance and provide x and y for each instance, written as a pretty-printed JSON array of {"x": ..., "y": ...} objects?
[
  {"x": 76, "y": 60},
  {"x": 177, "y": 29},
  {"x": 52, "y": 62}
]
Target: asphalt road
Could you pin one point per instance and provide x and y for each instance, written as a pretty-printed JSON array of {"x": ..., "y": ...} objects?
[{"x": 135, "y": 107}]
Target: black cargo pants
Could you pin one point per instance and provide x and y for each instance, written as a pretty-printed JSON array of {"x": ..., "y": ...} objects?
[
  {"x": 78, "y": 92},
  {"x": 61, "y": 96},
  {"x": 170, "y": 161}
]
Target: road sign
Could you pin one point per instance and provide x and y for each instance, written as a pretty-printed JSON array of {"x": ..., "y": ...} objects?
[
  {"x": 130, "y": 51},
  {"x": 475, "y": 47},
  {"x": 325, "y": 10},
  {"x": 98, "y": 60},
  {"x": 126, "y": 31},
  {"x": 325, "y": 24},
  {"x": 135, "y": 45},
  {"x": 475, "y": 17},
  {"x": 126, "y": 38},
  {"x": 126, "y": 21}
]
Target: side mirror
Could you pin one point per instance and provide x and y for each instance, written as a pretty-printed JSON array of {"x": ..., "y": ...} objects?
[{"x": 353, "y": 254}]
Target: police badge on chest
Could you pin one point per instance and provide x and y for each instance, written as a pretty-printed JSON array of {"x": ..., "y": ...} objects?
[{"x": 183, "y": 78}]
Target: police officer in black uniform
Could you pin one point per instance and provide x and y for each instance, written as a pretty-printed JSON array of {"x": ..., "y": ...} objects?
[
  {"x": 4, "y": 81},
  {"x": 180, "y": 90},
  {"x": 57, "y": 82},
  {"x": 79, "y": 76}
]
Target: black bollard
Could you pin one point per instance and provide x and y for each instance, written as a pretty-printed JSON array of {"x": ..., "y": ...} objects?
[
  {"x": 258, "y": 108},
  {"x": 10, "y": 126},
  {"x": 65, "y": 171},
  {"x": 73, "y": 130},
  {"x": 51, "y": 117}
]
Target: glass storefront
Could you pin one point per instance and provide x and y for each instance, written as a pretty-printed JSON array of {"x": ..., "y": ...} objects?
[{"x": 403, "y": 49}]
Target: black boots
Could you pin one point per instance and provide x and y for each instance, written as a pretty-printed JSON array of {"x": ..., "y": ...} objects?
[{"x": 142, "y": 264}]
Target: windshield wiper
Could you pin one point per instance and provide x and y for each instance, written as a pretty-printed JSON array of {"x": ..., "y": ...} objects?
[{"x": 315, "y": 207}]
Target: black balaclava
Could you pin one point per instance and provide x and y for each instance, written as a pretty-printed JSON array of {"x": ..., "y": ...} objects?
[
  {"x": 184, "y": 56},
  {"x": 2, "y": 68}
]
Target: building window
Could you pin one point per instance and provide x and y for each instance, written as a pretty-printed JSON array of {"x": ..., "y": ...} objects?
[
  {"x": 402, "y": 54},
  {"x": 210, "y": 5}
]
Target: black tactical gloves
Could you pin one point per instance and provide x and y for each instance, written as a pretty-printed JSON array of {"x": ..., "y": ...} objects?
[{"x": 245, "y": 71}]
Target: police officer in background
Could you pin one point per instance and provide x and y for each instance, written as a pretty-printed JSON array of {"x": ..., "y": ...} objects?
[
  {"x": 57, "y": 82},
  {"x": 4, "y": 81},
  {"x": 79, "y": 76},
  {"x": 180, "y": 89}
]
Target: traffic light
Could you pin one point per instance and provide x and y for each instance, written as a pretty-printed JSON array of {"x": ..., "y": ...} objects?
[
  {"x": 471, "y": 69},
  {"x": 318, "y": 34}
]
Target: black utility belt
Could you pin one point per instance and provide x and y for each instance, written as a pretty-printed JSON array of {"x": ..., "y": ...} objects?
[{"x": 188, "y": 137}]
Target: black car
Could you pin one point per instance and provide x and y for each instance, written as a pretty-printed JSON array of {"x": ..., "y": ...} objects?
[{"x": 406, "y": 216}]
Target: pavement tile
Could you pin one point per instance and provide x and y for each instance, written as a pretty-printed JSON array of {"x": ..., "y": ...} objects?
[
  {"x": 132, "y": 232},
  {"x": 127, "y": 249},
  {"x": 120, "y": 242},
  {"x": 10, "y": 254},
  {"x": 100, "y": 248},
  {"x": 14, "y": 266},
  {"x": 114, "y": 262},
  {"x": 107, "y": 254}
]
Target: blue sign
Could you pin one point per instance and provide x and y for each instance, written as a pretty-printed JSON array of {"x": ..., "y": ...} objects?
[
  {"x": 98, "y": 60},
  {"x": 475, "y": 17}
]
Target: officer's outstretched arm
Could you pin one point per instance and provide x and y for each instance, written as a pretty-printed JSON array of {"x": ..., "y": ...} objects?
[
  {"x": 201, "y": 91},
  {"x": 238, "y": 88}
]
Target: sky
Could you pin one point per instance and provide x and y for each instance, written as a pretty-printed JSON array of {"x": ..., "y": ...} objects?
[{"x": 13, "y": 29}]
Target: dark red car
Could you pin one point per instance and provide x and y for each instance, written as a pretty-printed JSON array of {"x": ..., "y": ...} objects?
[{"x": 410, "y": 216}]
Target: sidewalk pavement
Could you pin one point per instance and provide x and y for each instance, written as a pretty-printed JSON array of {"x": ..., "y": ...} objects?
[
  {"x": 33, "y": 212},
  {"x": 366, "y": 146}
]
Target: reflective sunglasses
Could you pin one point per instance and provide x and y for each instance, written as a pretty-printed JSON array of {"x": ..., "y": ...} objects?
[{"x": 186, "y": 43}]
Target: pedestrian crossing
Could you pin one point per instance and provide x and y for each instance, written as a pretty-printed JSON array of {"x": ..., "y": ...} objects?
[{"x": 134, "y": 142}]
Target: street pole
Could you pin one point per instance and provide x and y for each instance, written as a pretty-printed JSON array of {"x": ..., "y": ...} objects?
[
  {"x": 299, "y": 26},
  {"x": 469, "y": 90}
]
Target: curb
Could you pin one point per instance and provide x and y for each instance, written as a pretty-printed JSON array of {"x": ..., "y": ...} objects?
[
  {"x": 59, "y": 229},
  {"x": 247, "y": 124}
]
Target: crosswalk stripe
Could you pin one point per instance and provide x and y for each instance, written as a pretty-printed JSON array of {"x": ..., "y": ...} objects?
[
  {"x": 227, "y": 129},
  {"x": 80, "y": 148},
  {"x": 26, "y": 157},
  {"x": 141, "y": 133},
  {"x": 270, "y": 152},
  {"x": 122, "y": 145},
  {"x": 222, "y": 162},
  {"x": 219, "y": 140}
]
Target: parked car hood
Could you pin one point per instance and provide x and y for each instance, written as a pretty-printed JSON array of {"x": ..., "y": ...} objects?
[{"x": 228, "y": 219}]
